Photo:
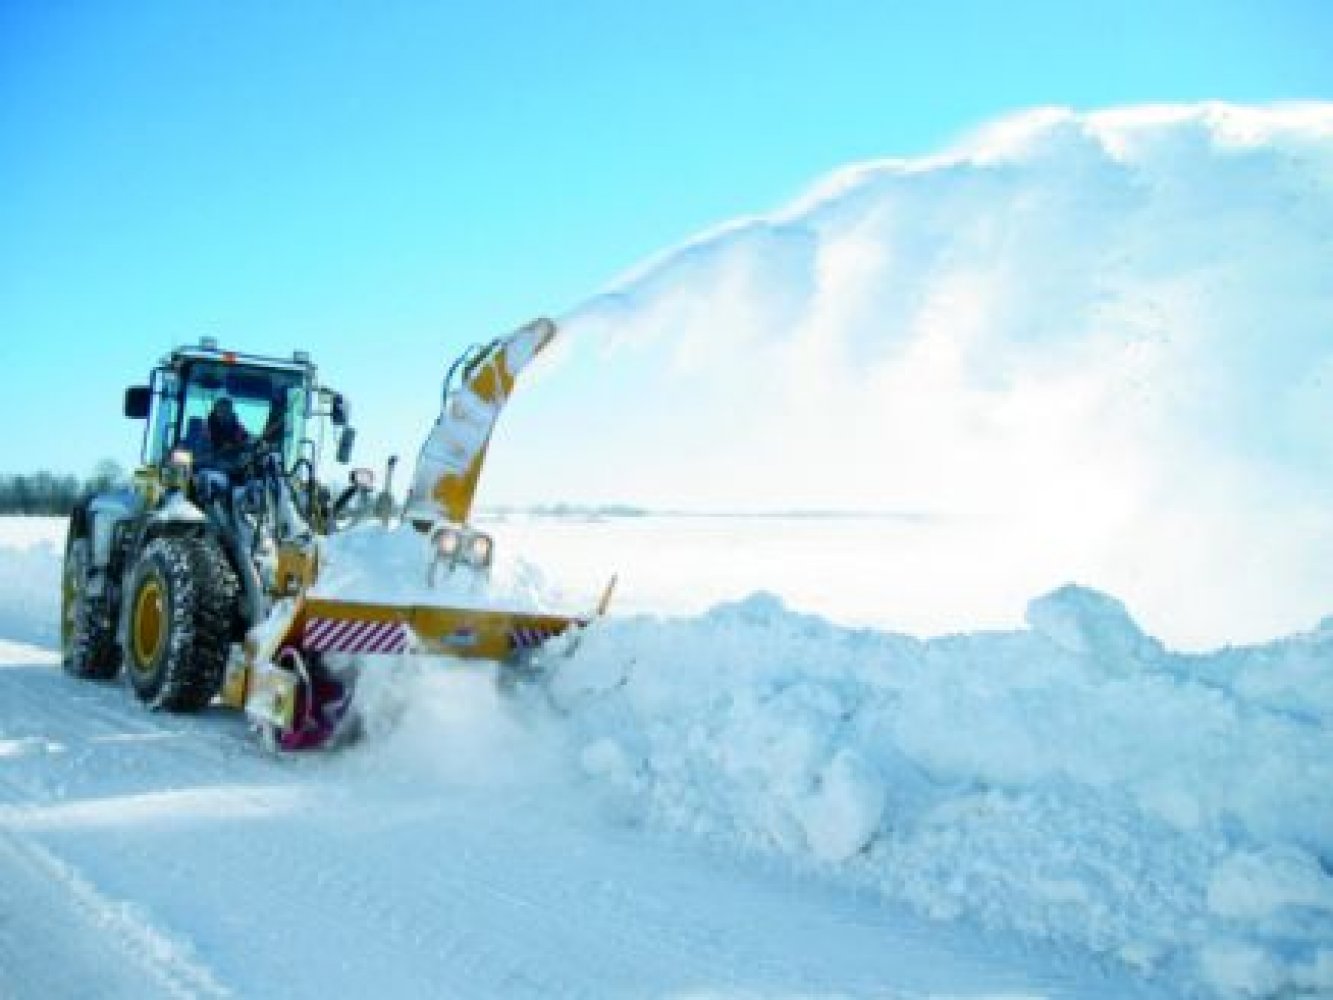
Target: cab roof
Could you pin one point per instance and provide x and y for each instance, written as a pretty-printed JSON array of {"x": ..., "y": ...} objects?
[{"x": 299, "y": 362}]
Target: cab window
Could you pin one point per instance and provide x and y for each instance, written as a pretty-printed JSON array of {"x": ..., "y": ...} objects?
[{"x": 268, "y": 404}]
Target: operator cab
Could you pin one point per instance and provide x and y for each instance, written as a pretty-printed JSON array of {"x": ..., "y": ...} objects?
[
  {"x": 269, "y": 408},
  {"x": 275, "y": 402}
]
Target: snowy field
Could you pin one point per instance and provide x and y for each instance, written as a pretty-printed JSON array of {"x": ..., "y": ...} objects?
[
  {"x": 893, "y": 756},
  {"x": 709, "y": 799}
]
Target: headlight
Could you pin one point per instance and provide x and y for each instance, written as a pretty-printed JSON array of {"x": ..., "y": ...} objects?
[
  {"x": 447, "y": 542},
  {"x": 479, "y": 550},
  {"x": 177, "y": 471}
]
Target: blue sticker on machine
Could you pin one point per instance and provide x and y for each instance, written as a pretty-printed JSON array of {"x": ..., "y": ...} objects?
[{"x": 460, "y": 637}]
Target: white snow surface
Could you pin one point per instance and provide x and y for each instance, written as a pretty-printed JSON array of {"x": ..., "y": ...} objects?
[
  {"x": 372, "y": 563},
  {"x": 31, "y": 549},
  {"x": 747, "y": 801},
  {"x": 1071, "y": 780}
]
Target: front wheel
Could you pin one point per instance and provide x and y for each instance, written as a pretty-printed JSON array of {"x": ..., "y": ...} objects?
[{"x": 182, "y": 603}]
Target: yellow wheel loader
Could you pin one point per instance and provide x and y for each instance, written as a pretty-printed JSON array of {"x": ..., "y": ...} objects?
[{"x": 201, "y": 581}]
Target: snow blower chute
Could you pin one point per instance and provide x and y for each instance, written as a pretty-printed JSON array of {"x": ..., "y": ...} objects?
[{"x": 203, "y": 578}]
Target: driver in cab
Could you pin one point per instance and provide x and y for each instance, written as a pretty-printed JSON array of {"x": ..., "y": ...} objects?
[{"x": 227, "y": 436}]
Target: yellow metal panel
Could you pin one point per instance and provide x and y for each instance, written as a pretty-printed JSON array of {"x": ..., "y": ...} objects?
[
  {"x": 297, "y": 569},
  {"x": 235, "y": 682},
  {"x": 468, "y": 633}
]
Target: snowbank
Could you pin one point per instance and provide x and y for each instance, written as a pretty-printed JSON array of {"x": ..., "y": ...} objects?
[
  {"x": 31, "y": 551},
  {"x": 1072, "y": 781}
]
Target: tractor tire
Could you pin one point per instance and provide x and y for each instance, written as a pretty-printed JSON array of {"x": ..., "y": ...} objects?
[
  {"x": 181, "y": 606},
  {"x": 87, "y": 636}
]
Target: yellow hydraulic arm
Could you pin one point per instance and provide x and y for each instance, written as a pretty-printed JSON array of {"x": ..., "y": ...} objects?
[{"x": 475, "y": 391}]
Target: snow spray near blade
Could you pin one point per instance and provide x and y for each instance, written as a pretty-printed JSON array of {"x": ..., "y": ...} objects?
[{"x": 452, "y": 726}]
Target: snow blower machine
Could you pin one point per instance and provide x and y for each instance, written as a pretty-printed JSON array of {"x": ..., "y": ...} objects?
[{"x": 201, "y": 579}]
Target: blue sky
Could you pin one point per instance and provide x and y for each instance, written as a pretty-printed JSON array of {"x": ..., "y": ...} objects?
[{"x": 384, "y": 183}]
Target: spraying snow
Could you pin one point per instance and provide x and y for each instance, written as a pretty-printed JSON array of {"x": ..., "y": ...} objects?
[{"x": 1094, "y": 347}]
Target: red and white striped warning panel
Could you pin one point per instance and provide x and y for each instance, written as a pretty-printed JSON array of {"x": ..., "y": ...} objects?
[
  {"x": 524, "y": 637},
  {"x": 336, "y": 635}
]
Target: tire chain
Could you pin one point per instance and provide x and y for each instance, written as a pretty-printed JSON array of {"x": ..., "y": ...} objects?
[{"x": 202, "y": 589}]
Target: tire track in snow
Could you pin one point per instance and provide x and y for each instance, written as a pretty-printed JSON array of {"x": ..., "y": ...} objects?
[
  {"x": 101, "y": 727},
  {"x": 85, "y": 763},
  {"x": 45, "y": 889}
]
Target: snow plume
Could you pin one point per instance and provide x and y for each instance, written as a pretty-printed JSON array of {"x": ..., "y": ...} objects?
[
  {"x": 1070, "y": 780},
  {"x": 1106, "y": 337}
]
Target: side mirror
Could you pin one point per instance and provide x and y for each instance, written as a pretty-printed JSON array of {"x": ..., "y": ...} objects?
[
  {"x": 338, "y": 413},
  {"x": 345, "y": 443},
  {"x": 138, "y": 401}
]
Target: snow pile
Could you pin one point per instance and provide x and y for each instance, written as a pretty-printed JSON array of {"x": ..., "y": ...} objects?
[
  {"x": 1104, "y": 338},
  {"x": 31, "y": 553},
  {"x": 1072, "y": 781},
  {"x": 391, "y": 565}
]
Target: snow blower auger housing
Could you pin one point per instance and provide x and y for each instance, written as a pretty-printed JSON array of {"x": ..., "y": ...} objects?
[{"x": 201, "y": 578}]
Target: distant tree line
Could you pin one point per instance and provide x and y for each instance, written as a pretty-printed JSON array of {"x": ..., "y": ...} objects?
[{"x": 52, "y": 494}]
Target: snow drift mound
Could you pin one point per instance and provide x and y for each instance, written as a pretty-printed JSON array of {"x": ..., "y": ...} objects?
[
  {"x": 1106, "y": 336},
  {"x": 1072, "y": 780},
  {"x": 31, "y": 555}
]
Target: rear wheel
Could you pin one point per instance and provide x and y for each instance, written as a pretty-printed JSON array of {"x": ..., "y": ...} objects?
[
  {"x": 182, "y": 605},
  {"x": 87, "y": 637}
]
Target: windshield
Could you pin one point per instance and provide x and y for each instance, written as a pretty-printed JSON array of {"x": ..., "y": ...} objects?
[{"x": 265, "y": 404}]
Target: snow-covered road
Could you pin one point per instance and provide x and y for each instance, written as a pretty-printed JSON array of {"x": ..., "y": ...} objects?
[
  {"x": 145, "y": 854},
  {"x": 744, "y": 801}
]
